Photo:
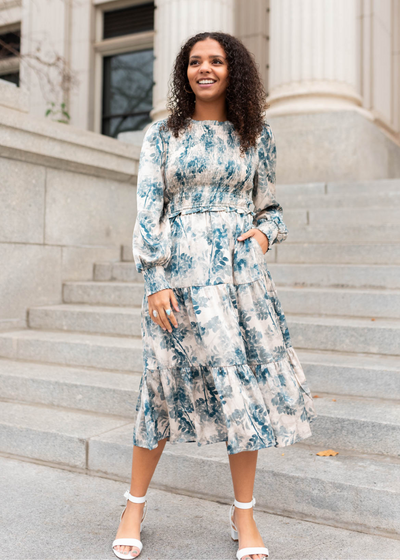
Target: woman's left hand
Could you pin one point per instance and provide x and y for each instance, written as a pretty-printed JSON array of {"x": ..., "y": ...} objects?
[{"x": 261, "y": 238}]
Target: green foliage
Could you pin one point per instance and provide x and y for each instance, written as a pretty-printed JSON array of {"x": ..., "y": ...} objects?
[{"x": 61, "y": 112}]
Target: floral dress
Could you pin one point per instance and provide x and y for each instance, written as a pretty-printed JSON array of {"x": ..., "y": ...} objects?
[{"x": 228, "y": 372}]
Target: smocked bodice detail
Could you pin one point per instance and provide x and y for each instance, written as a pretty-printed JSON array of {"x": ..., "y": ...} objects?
[{"x": 203, "y": 171}]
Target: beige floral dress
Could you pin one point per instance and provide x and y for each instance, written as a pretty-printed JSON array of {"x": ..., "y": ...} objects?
[{"x": 229, "y": 371}]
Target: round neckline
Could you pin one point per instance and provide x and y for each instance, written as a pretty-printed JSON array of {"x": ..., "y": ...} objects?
[{"x": 209, "y": 121}]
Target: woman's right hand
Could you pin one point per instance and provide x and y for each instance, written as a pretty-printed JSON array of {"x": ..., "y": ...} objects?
[{"x": 160, "y": 301}]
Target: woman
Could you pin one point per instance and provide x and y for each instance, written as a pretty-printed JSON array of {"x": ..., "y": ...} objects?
[{"x": 218, "y": 362}]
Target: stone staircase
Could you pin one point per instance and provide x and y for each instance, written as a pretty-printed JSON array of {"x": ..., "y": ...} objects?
[{"x": 69, "y": 382}]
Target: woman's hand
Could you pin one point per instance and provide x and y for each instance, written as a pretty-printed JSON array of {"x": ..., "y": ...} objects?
[
  {"x": 261, "y": 238},
  {"x": 160, "y": 301}
]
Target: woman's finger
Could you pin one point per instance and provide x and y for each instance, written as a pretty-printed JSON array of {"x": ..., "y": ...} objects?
[
  {"x": 174, "y": 301},
  {"x": 164, "y": 319}
]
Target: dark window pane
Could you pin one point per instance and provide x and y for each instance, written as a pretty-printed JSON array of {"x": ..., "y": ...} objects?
[
  {"x": 114, "y": 125},
  {"x": 127, "y": 91},
  {"x": 14, "y": 78},
  {"x": 134, "y": 19},
  {"x": 13, "y": 39}
]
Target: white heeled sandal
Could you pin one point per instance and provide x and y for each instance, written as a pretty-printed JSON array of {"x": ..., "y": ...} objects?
[
  {"x": 235, "y": 536},
  {"x": 127, "y": 541}
]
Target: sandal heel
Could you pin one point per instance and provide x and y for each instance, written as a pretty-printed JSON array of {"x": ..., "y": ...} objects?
[
  {"x": 234, "y": 534},
  {"x": 130, "y": 541}
]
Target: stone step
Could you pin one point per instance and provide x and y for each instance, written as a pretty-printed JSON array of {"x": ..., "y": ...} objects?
[
  {"x": 356, "y": 423},
  {"x": 104, "y": 392},
  {"x": 349, "y": 218},
  {"x": 342, "y": 334},
  {"x": 126, "y": 253},
  {"x": 352, "y": 374},
  {"x": 345, "y": 334},
  {"x": 119, "y": 271},
  {"x": 345, "y": 422},
  {"x": 348, "y": 489},
  {"x": 375, "y": 188},
  {"x": 289, "y": 274},
  {"x": 353, "y": 234},
  {"x": 335, "y": 275},
  {"x": 331, "y": 253},
  {"x": 294, "y": 251},
  {"x": 122, "y": 354},
  {"x": 51, "y": 434},
  {"x": 357, "y": 202},
  {"x": 104, "y": 293},
  {"x": 340, "y": 301},
  {"x": 357, "y": 489},
  {"x": 295, "y": 299},
  {"x": 126, "y": 321},
  {"x": 174, "y": 528},
  {"x": 100, "y": 319}
]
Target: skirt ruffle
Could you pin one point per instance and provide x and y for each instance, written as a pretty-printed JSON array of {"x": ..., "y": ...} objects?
[
  {"x": 248, "y": 406},
  {"x": 227, "y": 373}
]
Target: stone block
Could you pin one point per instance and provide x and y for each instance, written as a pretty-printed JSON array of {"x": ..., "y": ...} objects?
[
  {"x": 31, "y": 274},
  {"x": 74, "y": 349},
  {"x": 86, "y": 210},
  {"x": 375, "y": 377},
  {"x": 332, "y": 146},
  {"x": 87, "y": 318},
  {"x": 74, "y": 388},
  {"x": 47, "y": 434},
  {"x": 22, "y": 200}
]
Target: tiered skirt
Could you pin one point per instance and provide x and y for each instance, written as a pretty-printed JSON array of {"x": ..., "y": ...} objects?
[{"x": 228, "y": 372}]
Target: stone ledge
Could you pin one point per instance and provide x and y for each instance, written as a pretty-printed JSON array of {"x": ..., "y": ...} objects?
[
  {"x": 13, "y": 97},
  {"x": 36, "y": 140}
]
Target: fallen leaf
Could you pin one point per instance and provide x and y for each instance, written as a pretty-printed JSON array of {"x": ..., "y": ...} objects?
[
  {"x": 282, "y": 453},
  {"x": 328, "y": 453},
  {"x": 334, "y": 400},
  {"x": 372, "y": 319},
  {"x": 316, "y": 397}
]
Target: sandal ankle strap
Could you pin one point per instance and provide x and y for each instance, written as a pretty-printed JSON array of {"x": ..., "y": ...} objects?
[
  {"x": 245, "y": 505},
  {"x": 134, "y": 499}
]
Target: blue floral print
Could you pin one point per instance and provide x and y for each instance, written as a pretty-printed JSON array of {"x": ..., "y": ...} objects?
[{"x": 229, "y": 371}]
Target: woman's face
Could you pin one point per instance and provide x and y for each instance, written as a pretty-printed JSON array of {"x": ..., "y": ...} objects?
[{"x": 207, "y": 60}]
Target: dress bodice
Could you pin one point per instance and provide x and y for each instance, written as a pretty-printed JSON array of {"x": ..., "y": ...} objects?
[{"x": 202, "y": 171}]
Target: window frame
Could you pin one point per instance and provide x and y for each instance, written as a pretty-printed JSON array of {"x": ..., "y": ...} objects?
[
  {"x": 10, "y": 65},
  {"x": 109, "y": 47}
]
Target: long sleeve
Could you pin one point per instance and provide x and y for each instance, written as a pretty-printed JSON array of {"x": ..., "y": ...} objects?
[
  {"x": 151, "y": 246},
  {"x": 269, "y": 213}
]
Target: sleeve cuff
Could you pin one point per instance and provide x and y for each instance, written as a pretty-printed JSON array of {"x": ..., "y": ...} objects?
[
  {"x": 270, "y": 229},
  {"x": 154, "y": 280}
]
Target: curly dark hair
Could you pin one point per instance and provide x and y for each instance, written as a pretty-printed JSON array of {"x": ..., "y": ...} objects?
[{"x": 245, "y": 93}]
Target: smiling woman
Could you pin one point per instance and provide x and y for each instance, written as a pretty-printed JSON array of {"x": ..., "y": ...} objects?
[
  {"x": 208, "y": 72},
  {"x": 223, "y": 368}
]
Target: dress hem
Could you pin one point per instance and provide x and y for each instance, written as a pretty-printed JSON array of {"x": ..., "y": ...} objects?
[{"x": 199, "y": 444}]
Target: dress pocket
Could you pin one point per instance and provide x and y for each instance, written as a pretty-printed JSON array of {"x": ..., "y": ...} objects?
[{"x": 258, "y": 246}]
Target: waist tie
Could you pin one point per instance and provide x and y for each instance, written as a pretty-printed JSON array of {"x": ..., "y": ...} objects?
[{"x": 211, "y": 208}]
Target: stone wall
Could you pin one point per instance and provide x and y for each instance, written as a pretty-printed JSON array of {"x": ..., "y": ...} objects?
[{"x": 67, "y": 199}]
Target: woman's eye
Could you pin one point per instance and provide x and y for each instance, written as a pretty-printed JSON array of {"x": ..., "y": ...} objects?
[{"x": 216, "y": 60}]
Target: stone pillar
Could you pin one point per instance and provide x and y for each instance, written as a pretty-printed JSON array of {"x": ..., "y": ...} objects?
[
  {"x": 46, "y": 28},
  {"x": 314, "y": 57},
  {"x": 175, "y": 22}
]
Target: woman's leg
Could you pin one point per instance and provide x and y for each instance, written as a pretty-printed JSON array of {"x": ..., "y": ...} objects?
[
  {"x": 144, "y": 463},
  {"x": 243, "y": 470}
]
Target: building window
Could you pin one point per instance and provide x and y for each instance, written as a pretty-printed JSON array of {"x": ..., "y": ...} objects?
[
  {"x": 134, "y": 19},
  {"x": 127, "y": 89},
  {"x": 10, "y": 44}
]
